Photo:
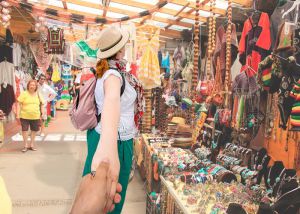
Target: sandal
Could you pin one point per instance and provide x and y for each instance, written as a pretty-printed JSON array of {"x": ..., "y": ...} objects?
[
  {"x": 25, "y": 149},
  {"x": 32, "y": 148}
]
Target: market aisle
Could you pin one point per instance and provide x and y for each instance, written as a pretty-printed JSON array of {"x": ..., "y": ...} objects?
[{"x": 45, "y": 181}]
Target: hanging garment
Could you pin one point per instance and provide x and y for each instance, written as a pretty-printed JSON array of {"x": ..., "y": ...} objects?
[
  {"x": 149, "y": 71},
  {"x": 220, "y": 50},
  {"x": 7, "y": 98},
  {"x": 17, "y": 54},
  {"x": 269, "y": 74},
  {"x": 159, "y": 57},
  {"x": 7, "y": 74},
  {"x": 255, "y": 43},
  {"x": 277, "y": 20},
  {"x": 18, "y": 84},
  {"x": 55, "y": 41},
  {"x": 42, "y": 59},
  {"x": 56, "y": 74},
  {"x": 178, "y": 57},
  {"x": 6, "y": 53},
  {"x": 165, "y": 63},
  {"x": 84, "y": 55},
  {"x": 285, "y": 37},
  {"x": 266, "y": 6},
  {"x": 66, "y": 75}
]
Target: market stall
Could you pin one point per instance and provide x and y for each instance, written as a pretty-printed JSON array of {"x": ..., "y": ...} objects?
[{"x": 218, "y": 81}]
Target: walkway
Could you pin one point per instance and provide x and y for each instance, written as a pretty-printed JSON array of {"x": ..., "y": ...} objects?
[{"x": 45, "y": 181}]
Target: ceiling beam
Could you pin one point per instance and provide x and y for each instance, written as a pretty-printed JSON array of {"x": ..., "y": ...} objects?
[
  {"x": 179, "y": 2},
  {"x": 133, "y": 4},
  {"x": 245, "y": 3},
  {"x": 65, "y": 5},
  {"x": 122, "y": 11},
  {"x": 203, "y": 7},
  {"x": 185, "y": 6}
]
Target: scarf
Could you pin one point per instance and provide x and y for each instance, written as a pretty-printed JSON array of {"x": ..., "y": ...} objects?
[{"x": 120, "y": 65}]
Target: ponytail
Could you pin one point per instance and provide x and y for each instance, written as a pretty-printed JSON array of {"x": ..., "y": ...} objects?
[{"x": 101, "y": 67}]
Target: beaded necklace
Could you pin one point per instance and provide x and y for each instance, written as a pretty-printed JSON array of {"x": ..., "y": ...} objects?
[
  {"x": 288, "y": 193},
  {"x": 228, "y": 53},
  {"x": 277, "y": 180}
]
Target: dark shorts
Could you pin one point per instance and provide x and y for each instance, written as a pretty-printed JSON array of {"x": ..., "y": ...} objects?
[{"x": 34, "y": 125}]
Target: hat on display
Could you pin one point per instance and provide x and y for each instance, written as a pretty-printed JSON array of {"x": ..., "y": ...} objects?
[
  {"x": 178, "y": 120},
  {"x": 111, "y": 41}
]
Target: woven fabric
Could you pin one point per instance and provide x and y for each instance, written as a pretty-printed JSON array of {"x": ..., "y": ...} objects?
[
  {"x": 149, "y": 71},
  {"x": 42, "y": 59}
]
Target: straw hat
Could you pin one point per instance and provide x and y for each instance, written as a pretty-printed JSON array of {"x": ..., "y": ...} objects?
[{"x": 111, "y": 41}]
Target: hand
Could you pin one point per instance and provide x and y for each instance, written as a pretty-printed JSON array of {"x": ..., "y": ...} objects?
[
  {"x": 84, "y": 203},
  {"x": 18, "y": 120},
  {"x": 1, "y": 115},
  {"x": 107, "y": 154}
]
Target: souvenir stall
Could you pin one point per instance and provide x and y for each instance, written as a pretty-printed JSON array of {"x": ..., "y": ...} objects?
[{"x": 229, "y": 140}]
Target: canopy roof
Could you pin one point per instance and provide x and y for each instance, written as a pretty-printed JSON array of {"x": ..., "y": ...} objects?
[{"x": 174, "y": 16}]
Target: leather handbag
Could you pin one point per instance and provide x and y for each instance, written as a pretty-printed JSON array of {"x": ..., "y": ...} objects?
[{"x": 91, "y": 196}]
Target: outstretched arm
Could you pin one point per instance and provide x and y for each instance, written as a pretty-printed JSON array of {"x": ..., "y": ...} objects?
[{"x": 107, "y": 150}]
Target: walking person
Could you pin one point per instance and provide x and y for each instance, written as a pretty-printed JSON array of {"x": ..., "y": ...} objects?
[
  {"x": 48, "y": 94},
  {"x": 112, "y": 139},
  {"x": 29, "y": 113}
]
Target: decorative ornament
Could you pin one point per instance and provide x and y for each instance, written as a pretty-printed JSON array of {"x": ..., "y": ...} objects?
[
  {"x": 5, "y": 14},
  {"x": 40, "y": 25}
]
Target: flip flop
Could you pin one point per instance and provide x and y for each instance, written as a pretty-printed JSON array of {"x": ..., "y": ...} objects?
[
  {"x": 32, "y": 149},
  {"x": 25, "y": 149}
]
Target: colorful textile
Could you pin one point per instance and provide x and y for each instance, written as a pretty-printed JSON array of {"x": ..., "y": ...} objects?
[
  {"x": 30, "y": 106},
  {"x": 149, "y": 71},
  {"x": 277, "y": 20},
  {"x": 55, "y": 41},
  {"x": 268, "y": 67},
  {"x": 86, "y": 50},
  {"x": 285, "y": 37},
  {"x": 165, "y": 63},
  {"x": 135, "y": 83},
  {"x": 220, "y": 50},
  {"x": 255, "y": 43},
  {"x": 56, "y": 74},
  {"x": 42, "y": 59}
]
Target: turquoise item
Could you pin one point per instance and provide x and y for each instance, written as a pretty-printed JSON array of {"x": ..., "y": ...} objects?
[{"x": 85, "y": 48}]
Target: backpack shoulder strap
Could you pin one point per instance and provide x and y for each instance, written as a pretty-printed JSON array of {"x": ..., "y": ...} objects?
[
  {"x": 123, "y": 80},
  {"x": 123, "y": 85}
]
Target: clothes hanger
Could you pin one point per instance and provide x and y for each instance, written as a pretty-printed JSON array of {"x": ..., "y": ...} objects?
[{"x": 296, "y": 4}]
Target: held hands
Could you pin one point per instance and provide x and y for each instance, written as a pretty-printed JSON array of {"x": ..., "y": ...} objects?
[
  {"x": 91, "y": 197},
  {"x": 109, "y": 155}
]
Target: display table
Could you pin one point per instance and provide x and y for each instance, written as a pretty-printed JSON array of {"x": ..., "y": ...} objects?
[{"x": 214, "y": 198}]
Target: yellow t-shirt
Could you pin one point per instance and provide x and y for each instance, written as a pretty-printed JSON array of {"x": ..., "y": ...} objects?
[
  {"x": 30, "y": 105},
  {"x": 5, "y": 204}
]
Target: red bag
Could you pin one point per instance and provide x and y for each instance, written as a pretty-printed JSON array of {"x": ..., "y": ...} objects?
[{"x": 225, "y": 117}]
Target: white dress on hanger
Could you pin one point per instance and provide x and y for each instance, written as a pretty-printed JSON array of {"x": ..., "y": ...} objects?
[{"x": 7, "y": 73}]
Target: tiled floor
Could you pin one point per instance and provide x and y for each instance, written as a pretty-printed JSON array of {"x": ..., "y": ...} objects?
[{"x": 45, "y": 181}]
